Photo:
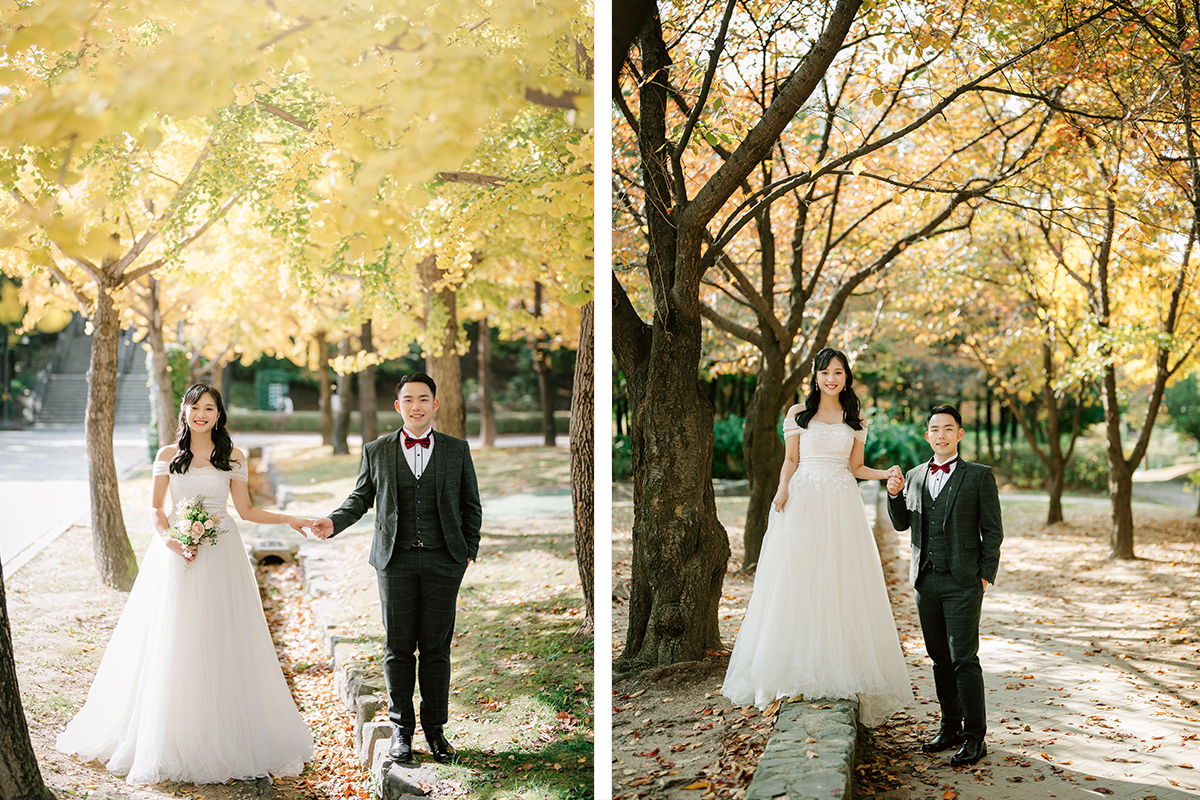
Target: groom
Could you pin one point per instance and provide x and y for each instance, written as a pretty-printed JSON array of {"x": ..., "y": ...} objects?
[
  {"x": 427, "y": 520},
  {"x": 953, "y": 510}
]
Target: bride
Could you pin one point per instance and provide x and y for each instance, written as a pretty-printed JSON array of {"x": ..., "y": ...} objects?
[
  {"x": 190, "y": 688},
  {"x": 819, "y": 623}
]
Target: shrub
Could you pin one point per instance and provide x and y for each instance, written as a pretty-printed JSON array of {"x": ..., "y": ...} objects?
[
  {"x": 1087, "y": 470},
  {"x": 622, "y": 457},
  {"x": 891, "y": 442},
  {"x": 728, "y": 460}
]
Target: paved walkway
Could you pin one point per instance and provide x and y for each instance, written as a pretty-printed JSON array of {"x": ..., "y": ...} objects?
[
  {"x": 44, "y": 487},
  {"x": 1073, "y": 710}
]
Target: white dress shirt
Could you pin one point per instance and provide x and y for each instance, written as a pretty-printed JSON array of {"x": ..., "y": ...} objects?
[
  {"x": 417, "y": 456},
  {"x": 939, "y": 479}
]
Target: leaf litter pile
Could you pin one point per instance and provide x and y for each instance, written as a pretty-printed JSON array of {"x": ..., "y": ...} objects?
[{"x": 334, "y": 771}]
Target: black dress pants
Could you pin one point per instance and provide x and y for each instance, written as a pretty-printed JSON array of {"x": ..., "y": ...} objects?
[
  {"x": 949, "y": 615},
  {"x": 418, "y": 590}
]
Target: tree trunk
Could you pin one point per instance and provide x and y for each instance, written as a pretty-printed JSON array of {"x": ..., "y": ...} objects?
[
  {"x": 1120, "y": 475},
  {"x": 368, "y": 413},
  {"x": 680, "y": 549},
  {"x": 1055, "y": 481},
  {"x": 115, "y": 561},
  {"x": 345, "y": 391},
  {"x": 541, "y": 363},
  {"x": 583, "y": 461},
  {"x": 487, "y": 406},
  {"x": 326, "y": 389},
  {"x": 19, "y": 773},
  {"x": 763, "y": 452},
  {"x": 441, "y": 345},
  {"x": 167, "y": 414}
]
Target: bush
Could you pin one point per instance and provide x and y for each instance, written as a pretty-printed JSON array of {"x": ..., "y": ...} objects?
[
  {"x": 310, "y": 421},
  {"x": 1086, "y": 471},
  {"x": 891, "y": 442},
  {"x": 622, "y": 457},
  {"x": 728, "y": 460}
]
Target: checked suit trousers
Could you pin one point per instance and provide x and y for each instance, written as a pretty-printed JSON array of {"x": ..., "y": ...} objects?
[{"x": 418, "y": 590}]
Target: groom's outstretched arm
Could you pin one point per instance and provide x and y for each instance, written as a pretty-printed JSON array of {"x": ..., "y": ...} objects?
[
  {"x": 897, "y": 507},
  {"x": 360, "y": 500}
]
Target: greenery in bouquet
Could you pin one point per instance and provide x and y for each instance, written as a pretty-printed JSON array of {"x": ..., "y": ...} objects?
[{"x": 194, "y": 524}]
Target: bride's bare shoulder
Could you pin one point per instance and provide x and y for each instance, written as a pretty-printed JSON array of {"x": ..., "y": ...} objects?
[
  {"x": 166, "y": 453},
  {"x": 794, "y": 410}
]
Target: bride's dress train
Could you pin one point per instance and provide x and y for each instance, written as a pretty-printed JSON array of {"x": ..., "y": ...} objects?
[
  {"x": 190, "y": 687},
  {"x": 819, "y": 622}
]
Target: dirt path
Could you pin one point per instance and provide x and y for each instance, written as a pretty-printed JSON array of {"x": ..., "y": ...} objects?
[
  {"x": 523, "y": 708},
  {"x": 1091, "y": 668}
]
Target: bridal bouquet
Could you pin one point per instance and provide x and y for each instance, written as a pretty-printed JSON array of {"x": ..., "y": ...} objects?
[{"x": 194, "y": 524}]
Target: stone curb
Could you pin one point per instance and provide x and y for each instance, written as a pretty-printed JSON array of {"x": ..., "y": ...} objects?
[{"x": 811, "y": 752}]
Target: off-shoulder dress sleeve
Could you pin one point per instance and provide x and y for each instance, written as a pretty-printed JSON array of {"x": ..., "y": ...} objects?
[
  {"x": 240, "y": 472},
  {"x": 161, "y": 468},
  {"x": 790, "y": 428},
  {"x": 861, "y": 435}
]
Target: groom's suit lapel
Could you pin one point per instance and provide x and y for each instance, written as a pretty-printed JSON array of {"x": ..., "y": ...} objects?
[
  {"x": 390, "y": 446},
  {"x": 918, "y": 489},
  {"x": 952, "y": 486},
  {"x": 439, "y": 463}
]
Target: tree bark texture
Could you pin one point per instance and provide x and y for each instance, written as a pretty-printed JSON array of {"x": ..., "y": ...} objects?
[
  {"x": 345, "y": 392},
  {"x": 442, "y": 362},
  {"x": 326, "y": 388},
  {"x": 541, "y": 364},
  {"x": 487, "y": 405},
  {"x": 763, "y": 452},
  {"x": 367, "y": 402},
  {"x": 20, "y": 777},
  {"x": 583, "y": 461},
  {"x": 167, "y": 414},
  {"x": 115, "y": 561}
]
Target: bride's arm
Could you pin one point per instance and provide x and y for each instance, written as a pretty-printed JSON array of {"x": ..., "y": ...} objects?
[
  {"x": 860, "y": 470},
  {"x": 162, "y": 521},
  {"x": 791, "y": 459},
  {"x": 239, "y": 491}
]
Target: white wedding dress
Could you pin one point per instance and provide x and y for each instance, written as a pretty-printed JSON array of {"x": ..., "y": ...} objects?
[
  {"x": 819, "y": 621},
  {"x": 190, "y": 688}
]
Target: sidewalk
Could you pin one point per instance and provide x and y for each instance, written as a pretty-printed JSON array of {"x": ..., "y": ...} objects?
[{"x": 1091, "y": 666}]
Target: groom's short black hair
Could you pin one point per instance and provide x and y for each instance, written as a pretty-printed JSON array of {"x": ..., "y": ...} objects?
[
  {"x": 947, "y": 409},
  {"x": 417, "y": 377}
]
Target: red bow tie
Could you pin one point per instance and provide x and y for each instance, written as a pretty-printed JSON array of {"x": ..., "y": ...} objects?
[
  {"x": 409, "y": 442},
  {"x": 934, "y": 467}
]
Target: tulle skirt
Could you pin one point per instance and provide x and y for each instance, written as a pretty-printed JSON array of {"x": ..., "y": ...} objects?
[
  {"x": 819, "y": 622},
  {"x": 190, "y": 687}
]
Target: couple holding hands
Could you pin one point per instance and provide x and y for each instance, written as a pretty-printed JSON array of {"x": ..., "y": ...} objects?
[
  {"x": 190, "y": 687},
  {"x": 819, "y": 623}
]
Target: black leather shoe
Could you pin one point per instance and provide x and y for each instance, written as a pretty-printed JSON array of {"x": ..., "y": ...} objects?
[
  {"x": 949, "y": 736},
  {"x": 401, "y": 749},
  {"x": 442, "y": 750},
  {"x": 971, "y": 751}
]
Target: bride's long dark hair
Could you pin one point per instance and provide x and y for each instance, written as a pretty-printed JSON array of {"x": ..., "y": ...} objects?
[
  {"x": 847, "y": 397},
  {"x": 222, "y": 443}
]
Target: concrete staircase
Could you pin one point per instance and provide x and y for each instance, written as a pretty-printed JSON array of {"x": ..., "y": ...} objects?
[{"x": 65, "y": 402}]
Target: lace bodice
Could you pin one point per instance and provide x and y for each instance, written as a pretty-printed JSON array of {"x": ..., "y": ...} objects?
[
  {"x": 824, "y": 451},
  {"x": 208, "y": 482}
]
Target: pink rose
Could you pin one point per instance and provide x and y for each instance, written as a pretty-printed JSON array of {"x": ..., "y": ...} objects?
[{"x": 197, "y": 529}]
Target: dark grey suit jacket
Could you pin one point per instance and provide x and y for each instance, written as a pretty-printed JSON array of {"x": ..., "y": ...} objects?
[
  {"x": 457, "y": 490},
  {"x": 973, "y": 522}
]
